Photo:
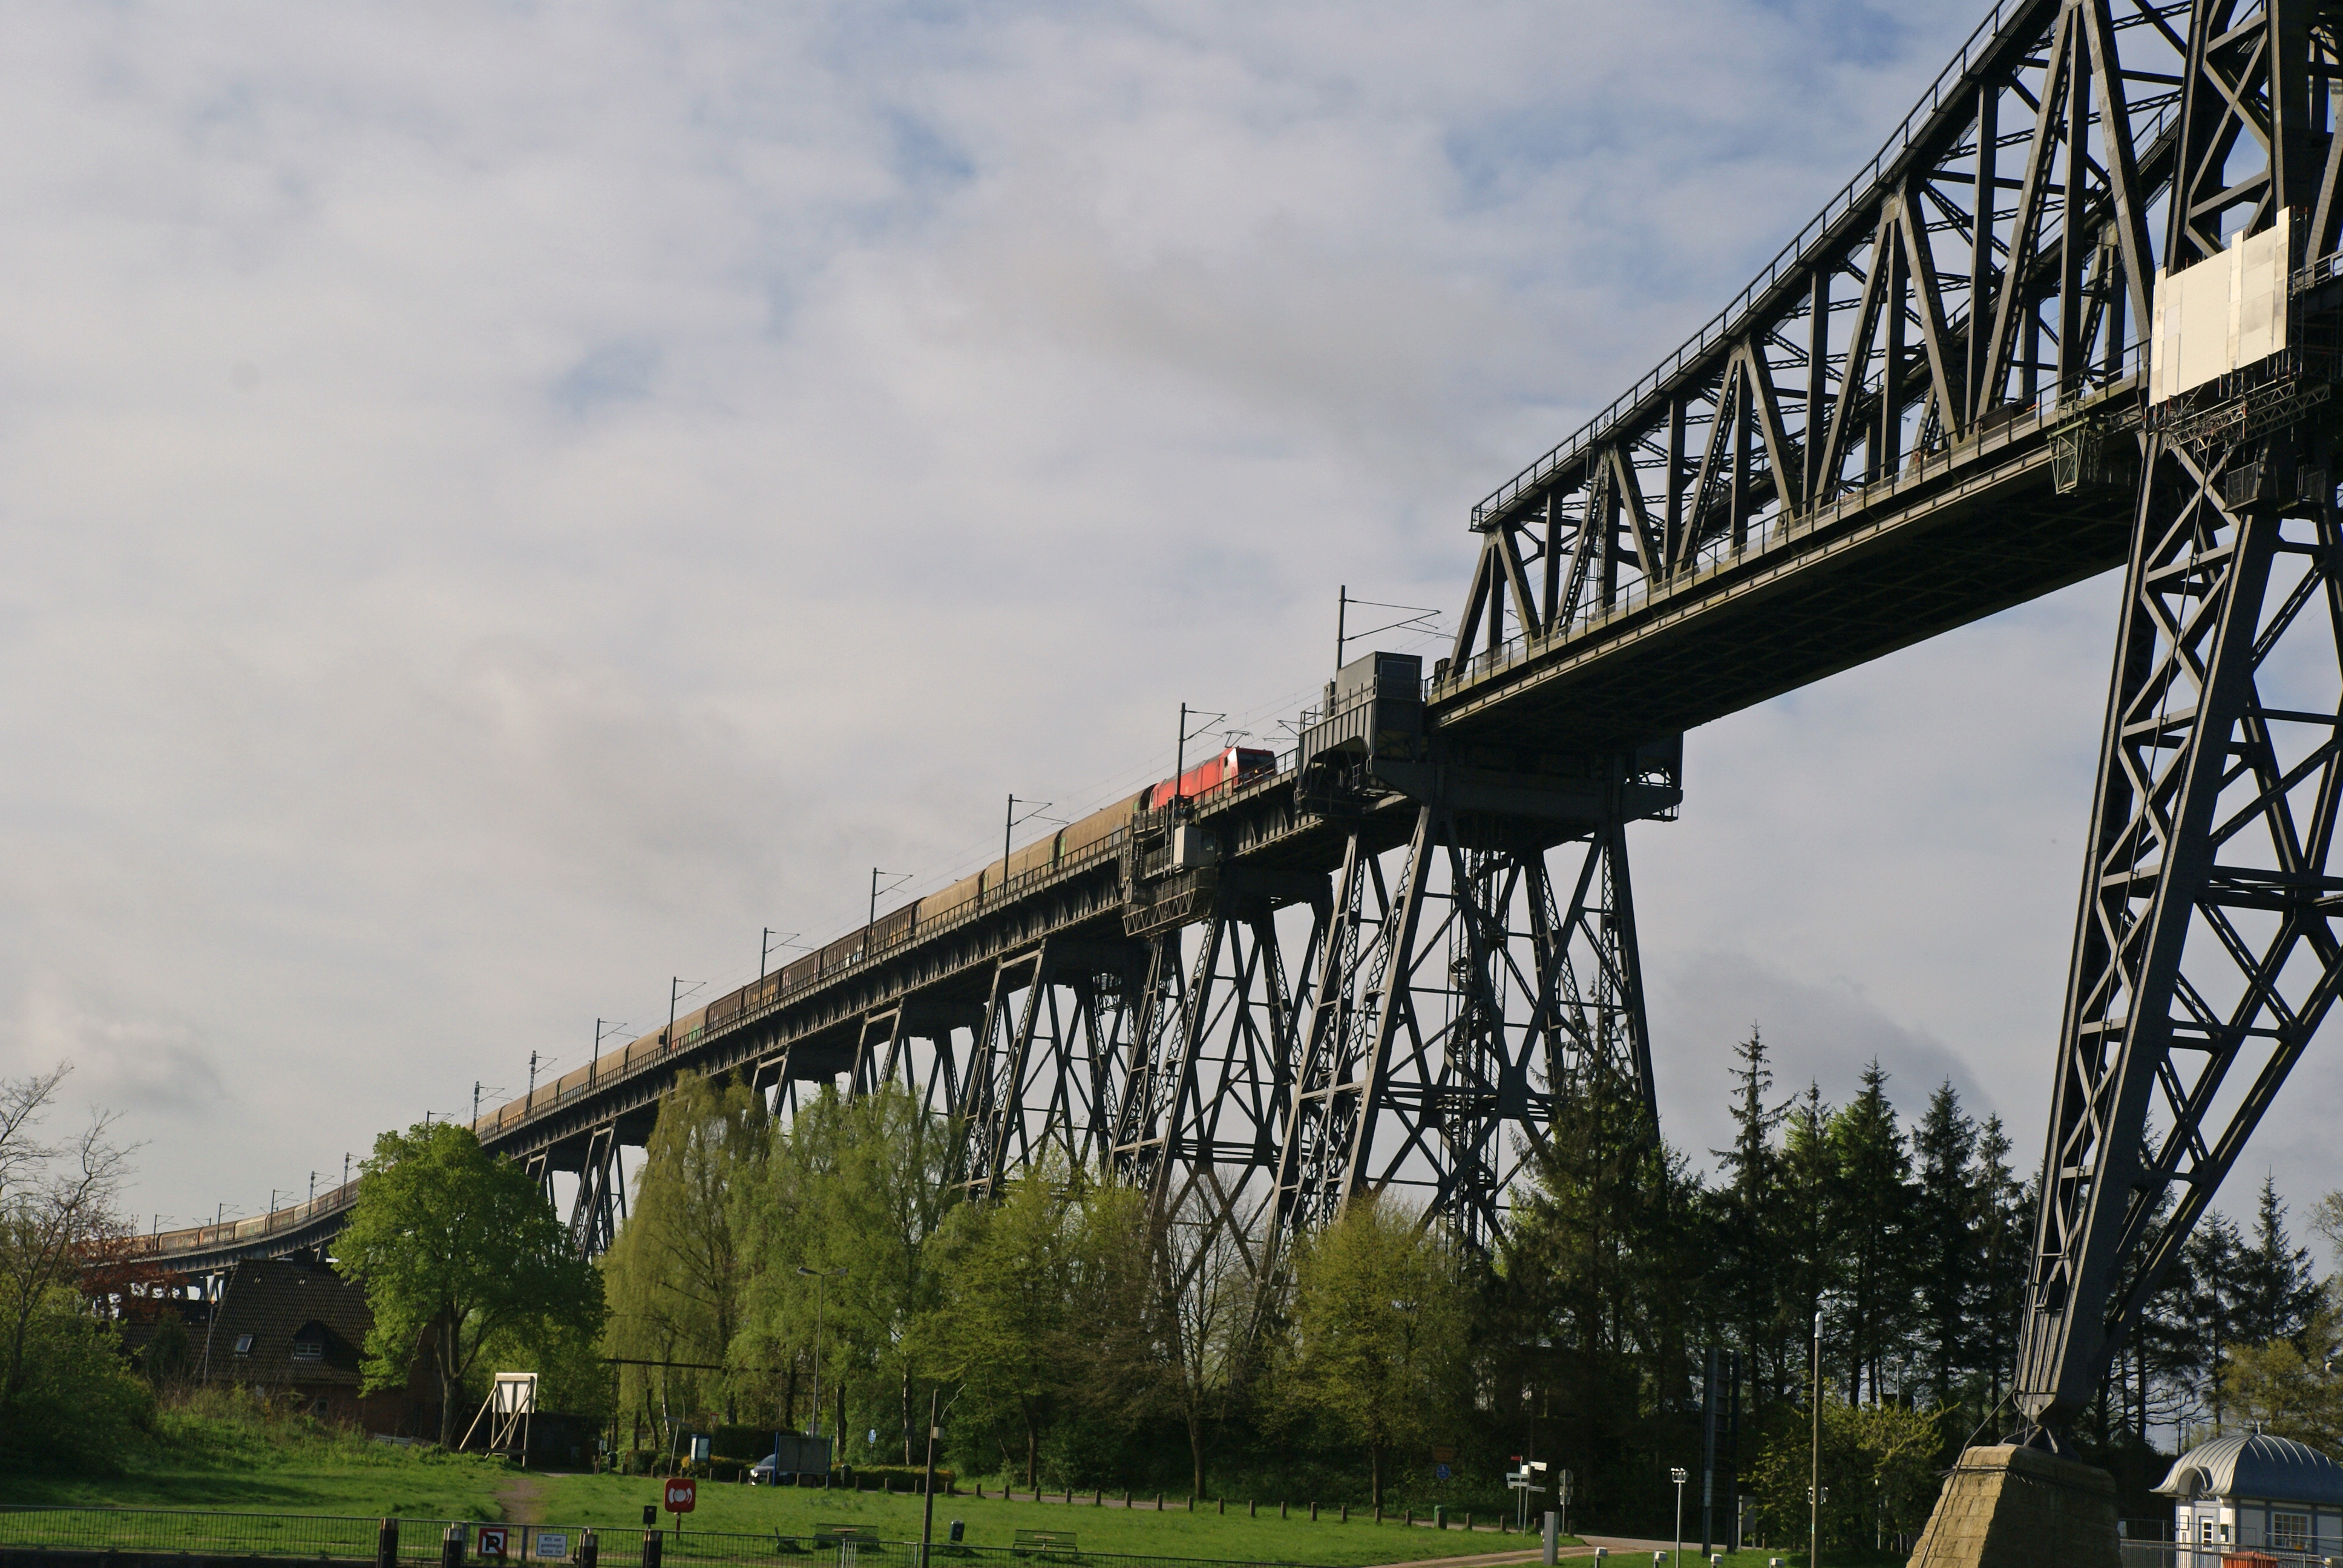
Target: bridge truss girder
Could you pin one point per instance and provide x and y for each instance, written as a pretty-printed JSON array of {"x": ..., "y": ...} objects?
[{"x": 1409, "y": 1025}]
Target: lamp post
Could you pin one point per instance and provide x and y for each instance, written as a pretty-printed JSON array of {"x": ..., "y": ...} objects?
[
  {"x": 927, "y": 1488},
  {"x": 1677, "y": 1475},
  {"x": 818, "y": 1276},
  {"x": 1815, "y": 1481}
]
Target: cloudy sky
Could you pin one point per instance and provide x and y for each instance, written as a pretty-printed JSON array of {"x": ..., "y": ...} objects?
[{"x": 503, "y": 503}]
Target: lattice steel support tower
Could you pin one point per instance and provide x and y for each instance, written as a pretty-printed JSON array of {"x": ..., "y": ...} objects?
[{"x": 2205, "y": 953}]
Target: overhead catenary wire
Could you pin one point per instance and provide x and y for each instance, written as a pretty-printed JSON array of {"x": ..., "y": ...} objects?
[{"x": 1098, "y": 794}]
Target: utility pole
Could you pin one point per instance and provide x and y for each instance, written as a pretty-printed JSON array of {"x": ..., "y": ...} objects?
[
  {"x": 532, "y": 1079},
  {"x": 346, "y": 1168},
  {"x": 1342, "y": 617},
  {"x": 1008, "y": 827},
  {"x": 475, "y": 1103},
  {"x": 313, "y": 1189}
]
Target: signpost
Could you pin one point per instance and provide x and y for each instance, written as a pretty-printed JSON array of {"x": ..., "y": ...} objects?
[
  {"x": 1522, "y": 1482},
  {"x": 682, "y": 1495}
]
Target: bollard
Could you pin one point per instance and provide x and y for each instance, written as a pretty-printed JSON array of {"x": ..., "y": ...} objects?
[
  {"x": 1253, "y": 1508},
  {"x": 1440, "y": 1516},
  {"x": 589, "y": 1551},
  {"x": 1468, "y": 1519},
  {"x": 1552, "y": 1537},
  {"x": 1159, "y": 1503},
  {"x": 451, "y": 1547},
  {"x": 1098, "y": 1498},
  {"x": 651, "y": 1549},
  {"x": 1281, "y": 1508},
  {"x": 1602, "y": 1554},
  {"x": 1126, "y": 1497},
  {"x": 386, "y": 1544},
  {"x": 1411, "y": 1519},
  {"x": 1345, "y": 1518},
  {"x": 1313, "y": 1513},
  {"x": 1225, "y": 1505}
]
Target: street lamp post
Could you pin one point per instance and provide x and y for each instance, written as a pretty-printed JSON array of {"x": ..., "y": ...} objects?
[
  {"x": 928, "y": 1487},
  {"x": 1815, "y": 1483},
  {"x": 1677, "y": 1475},
  {"x": 818, "y": 1276}
]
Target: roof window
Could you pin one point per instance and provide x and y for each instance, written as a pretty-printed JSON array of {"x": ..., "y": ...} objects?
[{"x": 244, "y": 1344}]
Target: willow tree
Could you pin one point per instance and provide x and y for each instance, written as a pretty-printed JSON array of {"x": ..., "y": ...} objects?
[{"x": 676, "y": 1272}]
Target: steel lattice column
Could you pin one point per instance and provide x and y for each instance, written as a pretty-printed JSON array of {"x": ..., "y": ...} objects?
[
  {"x": 1210, "y": 1073},
  {"x": 1455, "y": 1002},
  {"x": 600, "y": 1204},
  {"x": 2205, "y": 954}
]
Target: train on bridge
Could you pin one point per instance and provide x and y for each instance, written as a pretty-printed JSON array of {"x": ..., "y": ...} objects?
[{"x": 2082, "y": 311}]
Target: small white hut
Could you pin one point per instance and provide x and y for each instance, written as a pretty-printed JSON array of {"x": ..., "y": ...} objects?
[{"x": 2256, "y": 1492}]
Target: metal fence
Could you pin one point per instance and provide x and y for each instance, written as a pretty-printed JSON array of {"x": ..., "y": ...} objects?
[
  {"x": 338, "y": 1538},
  {"x": 2319, "y": 1552}
]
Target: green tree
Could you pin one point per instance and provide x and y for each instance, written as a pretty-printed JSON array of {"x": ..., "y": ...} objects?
[
  {"x": 1380, "y": 1325},
  {"x": 2004, "y": 1217},
  {"x": 66, "y": 1394},
  {"x": 456, "y": 1247},
  {"x": 1208, "y": 1308},
  {"x": 676, "y": 1272},
  {"x": 2277, "y": 1288},
  {"x": 2284, "y": 1385},
  {"x": 1878, "y": 1472},
  {"x": 1945, "y": 1239},
  {"x": 1005, "y": 1323},
  {"x": 856, "y": 1191},
  {"x": 1872, "y": 1197},
  {"x": 1748, "y": 1267}
]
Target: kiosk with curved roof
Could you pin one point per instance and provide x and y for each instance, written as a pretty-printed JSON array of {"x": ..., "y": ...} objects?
[{"x": 2271, "y": 1493}]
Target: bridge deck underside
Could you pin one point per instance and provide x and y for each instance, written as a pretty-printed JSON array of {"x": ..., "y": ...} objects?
[{"x": 1941, "y": 551}]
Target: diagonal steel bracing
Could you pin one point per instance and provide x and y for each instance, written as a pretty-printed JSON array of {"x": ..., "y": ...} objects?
[{"x": 2205, "y": 953}]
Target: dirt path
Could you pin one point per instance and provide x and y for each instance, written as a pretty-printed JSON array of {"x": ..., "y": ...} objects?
[{"x": 521, "y": 1501}]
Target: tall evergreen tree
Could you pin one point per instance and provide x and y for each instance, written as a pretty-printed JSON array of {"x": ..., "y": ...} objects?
[
  {"x": 2004, "y": 1211},
  {"x": 1750, "y": 1261},
  {"x": 2277, "y": 1288},
  {"x": 1872, "y": 1197},
  {"x": 2207, "y": 1307},
  {"x": 1946, "y": 1240},
  {"x": 1811, "y": 1213}
]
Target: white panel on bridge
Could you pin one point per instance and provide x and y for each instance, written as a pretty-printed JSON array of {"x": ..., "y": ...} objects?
[{"x": 2221, "y": 315}]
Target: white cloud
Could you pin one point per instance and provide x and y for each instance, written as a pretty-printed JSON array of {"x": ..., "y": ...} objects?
[{"x": 503, "y": 503}]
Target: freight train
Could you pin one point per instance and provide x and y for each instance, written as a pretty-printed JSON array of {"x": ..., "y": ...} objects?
[{"x": 1100, "y": 834}]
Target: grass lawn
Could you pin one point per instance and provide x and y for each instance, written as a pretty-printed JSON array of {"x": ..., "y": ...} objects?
[
  {"x": 613, "y": 1501},
  {"x": 221, "y": 1452}
]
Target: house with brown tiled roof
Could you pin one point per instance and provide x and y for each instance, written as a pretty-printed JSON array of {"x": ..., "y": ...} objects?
[{"x": 294, "y": 1327}]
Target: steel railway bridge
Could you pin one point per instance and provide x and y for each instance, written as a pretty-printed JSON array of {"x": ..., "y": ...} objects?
[{"x": 1388, "y": 961}]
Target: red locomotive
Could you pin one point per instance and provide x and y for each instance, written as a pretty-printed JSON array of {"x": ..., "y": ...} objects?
[{"x": 1232, "y": 766}]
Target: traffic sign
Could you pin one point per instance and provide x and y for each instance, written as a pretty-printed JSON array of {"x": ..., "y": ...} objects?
[
  {"x": 492, "y": 1542},
  {"x": 683, "y": 1495}
]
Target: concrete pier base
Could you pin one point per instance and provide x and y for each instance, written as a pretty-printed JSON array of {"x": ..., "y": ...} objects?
[{"x": 2009, "y": 1507}]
